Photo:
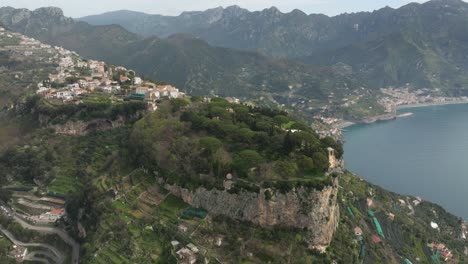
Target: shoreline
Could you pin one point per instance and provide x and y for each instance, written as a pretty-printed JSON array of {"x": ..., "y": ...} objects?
[
  {"x": 385, "y": 117},
  {"x": 430, "y": 104}
]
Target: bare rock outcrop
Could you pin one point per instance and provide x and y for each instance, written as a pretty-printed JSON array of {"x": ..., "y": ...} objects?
[
  {"x": 314, "y": 211},
  {"x": 80, "y": 128}
]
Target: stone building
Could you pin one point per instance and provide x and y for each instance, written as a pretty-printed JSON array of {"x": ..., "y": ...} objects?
[{"x": 332, "y": 158}]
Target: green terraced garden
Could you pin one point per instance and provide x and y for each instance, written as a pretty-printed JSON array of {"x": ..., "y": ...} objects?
[{"x": 63, "y": 185}]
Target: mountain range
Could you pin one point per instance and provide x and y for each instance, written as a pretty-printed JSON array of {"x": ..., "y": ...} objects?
[
  {"x": 191, "y": 64},
  {"x": 301, "y": 61},
  {"x": 198, "y": 180},
  {"x": 423, "y": 45}
]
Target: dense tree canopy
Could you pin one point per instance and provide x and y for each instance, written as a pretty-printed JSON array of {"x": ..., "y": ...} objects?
[{"x": 196, "y": 143}]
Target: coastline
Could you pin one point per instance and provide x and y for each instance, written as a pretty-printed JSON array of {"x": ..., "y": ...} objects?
[
  {"x": 385, "y": 117},
  {"x": 430, "y": 104},
  {"x": 370, "y": 120}
]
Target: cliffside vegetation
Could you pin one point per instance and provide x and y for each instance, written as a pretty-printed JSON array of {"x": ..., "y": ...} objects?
[
  {"x": 92, "y": 106},
  {"x": 211, "y": 140},
  {"x": 405, "y": 222},
  {"x": 111, "y": 181}
]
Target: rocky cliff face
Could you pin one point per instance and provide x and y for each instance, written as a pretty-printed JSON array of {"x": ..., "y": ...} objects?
[
  {"x": 75, "y": 128},
  {"x": 33, "y": 23},
  {"x": 314, "y": 211}
]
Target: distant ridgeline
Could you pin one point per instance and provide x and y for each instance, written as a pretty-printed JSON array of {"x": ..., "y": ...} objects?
[
  {"x": 344, "y": 66},
  {"x": 416, "y": 44},
  {"x": 197, "y": 68},
  {"x": 152, "y": 175}
]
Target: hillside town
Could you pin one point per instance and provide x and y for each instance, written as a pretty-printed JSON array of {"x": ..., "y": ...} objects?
[{"x": 75, "y": 77}]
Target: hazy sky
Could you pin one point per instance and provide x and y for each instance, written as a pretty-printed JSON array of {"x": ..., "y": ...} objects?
[{"x": 78, "y": 8}]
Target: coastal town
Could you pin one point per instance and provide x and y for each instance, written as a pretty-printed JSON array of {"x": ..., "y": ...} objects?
[
  {"x": 392, "y": 100},
  {"x": 405, "y": 97}
]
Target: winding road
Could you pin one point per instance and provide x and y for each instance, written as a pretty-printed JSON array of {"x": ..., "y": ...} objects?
[
  {"x": 59, "y": 258},
  {"x": 36, "y": 259},
  {"x": 51, "y": 230},
  {"x": 33, "y": 256}
]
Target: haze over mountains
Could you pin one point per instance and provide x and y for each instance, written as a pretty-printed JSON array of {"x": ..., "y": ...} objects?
[
  {"x": 146, "y": 174},
  {"x": 307, "y": 61},
  {"x": 420, "y": 44},
  {"x": 188, "y": 62}
]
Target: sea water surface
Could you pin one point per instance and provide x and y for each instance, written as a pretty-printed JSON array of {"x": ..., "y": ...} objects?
[{"x": 423, "y": 155}]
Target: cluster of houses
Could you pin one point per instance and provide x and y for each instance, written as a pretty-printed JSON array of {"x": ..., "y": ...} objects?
[
  {"x": 24, "y": 47},
  {"x": 75, "y": 77},
  {"x": 152, "y": 93},
  {"x": 53, "y": 215},
  {"x": 395, "y": 97},
  {"x": 44, "y": 210},
  {"x": 441, "y": 251},
  {"x": 187, "y": 254},
  {"x": 329, "y": 127},
  {"x": 19, "y": 253}
]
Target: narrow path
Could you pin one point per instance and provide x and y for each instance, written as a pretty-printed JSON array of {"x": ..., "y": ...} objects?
[{"x": 410, "y": 206}]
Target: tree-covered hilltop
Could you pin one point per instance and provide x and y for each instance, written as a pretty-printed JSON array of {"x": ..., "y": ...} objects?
[
  {"x": 198, "y": 143},
  {"x": 112, "y": 183}
]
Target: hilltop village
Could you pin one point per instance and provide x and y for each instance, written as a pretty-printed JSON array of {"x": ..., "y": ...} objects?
[{"x": 76, "y": 78}]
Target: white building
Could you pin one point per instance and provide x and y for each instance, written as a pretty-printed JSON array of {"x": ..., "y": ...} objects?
[
  {"x": 137, "y": 81},
  {"x": 53, "y": 215},
  {"x": 142, "y": 90},
  {"x": 65, "y": 95}
]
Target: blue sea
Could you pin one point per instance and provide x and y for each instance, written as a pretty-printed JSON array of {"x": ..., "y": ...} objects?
[{"x": 423, "y": 155}]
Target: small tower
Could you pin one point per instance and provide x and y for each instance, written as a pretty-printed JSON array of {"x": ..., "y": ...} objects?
[{"x": 331, "y": 158}]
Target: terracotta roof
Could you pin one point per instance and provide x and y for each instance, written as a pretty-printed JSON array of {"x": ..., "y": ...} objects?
[
  {"x": 57, "y": 211},
  {"x": 357, "y": 230},
  {"x": 376, "y": 239}
]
